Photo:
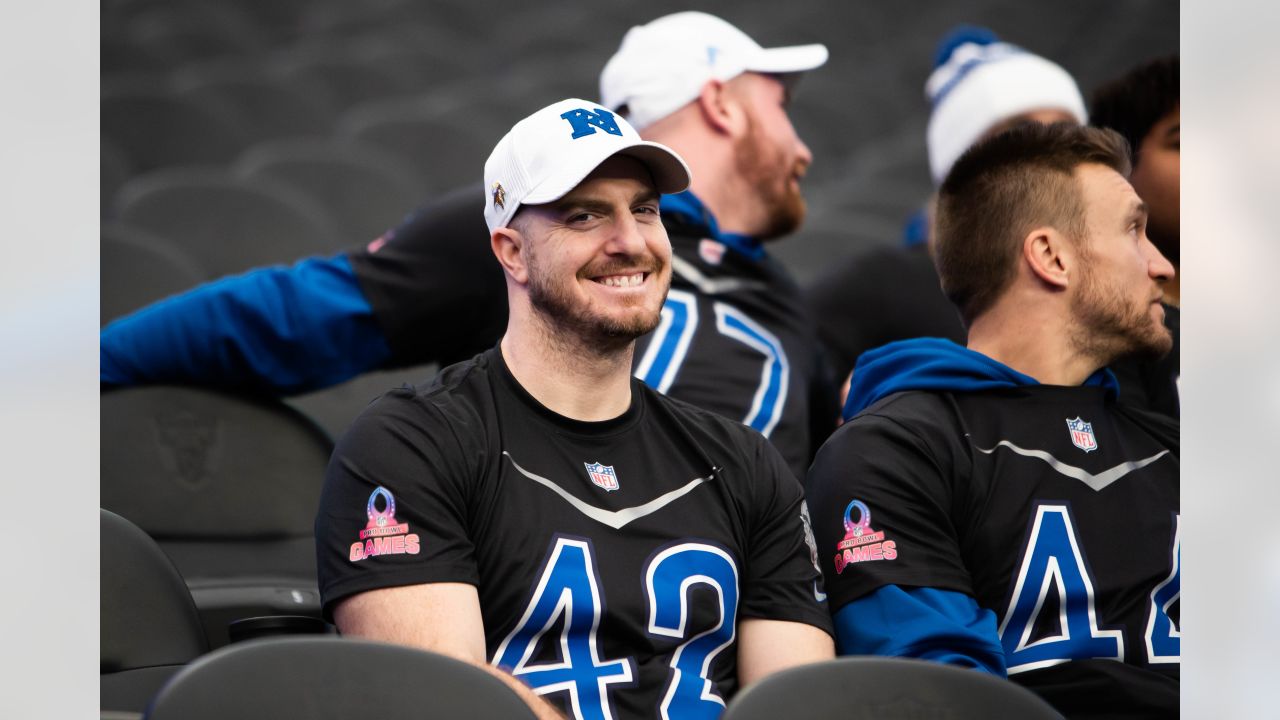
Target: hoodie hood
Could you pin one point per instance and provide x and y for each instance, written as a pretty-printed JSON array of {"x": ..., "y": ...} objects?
[{"x": 937, "y": 364}]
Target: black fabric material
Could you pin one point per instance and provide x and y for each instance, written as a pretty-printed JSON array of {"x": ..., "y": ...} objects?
[
  {"x": 885, "y": 689},
  {"x": 957, "y": 481},
  {"x": 435, "y": 288},
  {"x": 148, "y": 623},
  {"x": 885, "y": 294},
  {"x": 459, "y": 459},
  {"x": 327, "y": 678},
  {"x": 721, "y": 373}
]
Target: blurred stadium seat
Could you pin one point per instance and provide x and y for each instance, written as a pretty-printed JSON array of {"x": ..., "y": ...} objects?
[
  {"x": 156, "y": 128},
  {"x": 447, "y": 140},
  {"x": 266, "y": 107},
  {"x": 113, "y": 171},
  {"x": 148, "y": 624},
  {"x": 228, "y": 486},
  {"x": 331, "y": 69},
  {"x": 329, "y": 678},
  {"x": 886, "y": 689},
  {"x": 181, "y": 32},
  {"x": 365, "y": 189},
  {"x": 139, "y": 268},
  {"x": 227, "y": 224}
]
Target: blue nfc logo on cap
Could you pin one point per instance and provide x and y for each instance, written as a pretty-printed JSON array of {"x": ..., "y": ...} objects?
[{"x": 585, "y": 122}]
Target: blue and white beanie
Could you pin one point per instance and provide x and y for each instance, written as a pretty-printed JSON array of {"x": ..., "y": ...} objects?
[{"x": 979, "y": 81}]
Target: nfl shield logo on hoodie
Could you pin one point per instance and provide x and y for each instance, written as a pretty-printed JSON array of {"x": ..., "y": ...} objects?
[
  {"x": 603, "y": 476},
  {"x": 1082, "y": 435}
]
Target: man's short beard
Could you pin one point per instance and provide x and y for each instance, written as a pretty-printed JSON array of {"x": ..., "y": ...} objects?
[
  {"x": 583, "y": 331},
  {"x": 1108, "y": 329},
  {"x": 760, "y": 165}
]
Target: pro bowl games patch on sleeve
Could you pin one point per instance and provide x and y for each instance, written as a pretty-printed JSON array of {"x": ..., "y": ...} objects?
[
  {"x": 383, "y": 535},
  {"x": 861, "y": 543}
]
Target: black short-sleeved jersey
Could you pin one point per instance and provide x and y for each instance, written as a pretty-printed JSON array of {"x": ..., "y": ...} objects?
[
  {"x": 612, "y": 559},
  {"x": 735, "y": 338},
  {"x": 1053, "y": 507}
]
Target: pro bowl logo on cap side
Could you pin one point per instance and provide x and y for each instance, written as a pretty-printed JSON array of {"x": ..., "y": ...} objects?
[
  {"x": 1082, "y": 434},
  {"x": 499, "y": 196},
  {"x": 603, "y": 476},
  {"x": 382, "y": 534},
  {"x": 861, "y": 543}
]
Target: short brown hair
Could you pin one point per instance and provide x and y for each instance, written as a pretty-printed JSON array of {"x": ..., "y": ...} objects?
[{"x": 1003, "y": 188}]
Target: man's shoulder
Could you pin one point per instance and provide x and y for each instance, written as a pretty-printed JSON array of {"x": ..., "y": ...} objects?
[
  {"x": 458, "y": 393},
  {"x": 919, "y": 410},
  {"x": 704, "y": 424}
]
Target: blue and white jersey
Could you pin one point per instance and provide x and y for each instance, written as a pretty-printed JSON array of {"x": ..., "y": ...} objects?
[{"x": 1026, "y": 529}]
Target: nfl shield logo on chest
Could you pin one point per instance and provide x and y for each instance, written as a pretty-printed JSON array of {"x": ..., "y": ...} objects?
[
  {"x": 602, "y": 475},
  {"x": 1082, "y": 435}
]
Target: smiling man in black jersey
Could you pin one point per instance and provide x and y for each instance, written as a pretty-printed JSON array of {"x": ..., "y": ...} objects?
[
  {"x": 538, "y": 509},
  {"x": 993, "y": 506}
]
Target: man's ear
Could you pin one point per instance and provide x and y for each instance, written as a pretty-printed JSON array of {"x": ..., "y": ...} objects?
[
  {"x": 507, "y": 244},
  {"x": 719, "y": 108},
  {"x": 1050, "y": 256}
]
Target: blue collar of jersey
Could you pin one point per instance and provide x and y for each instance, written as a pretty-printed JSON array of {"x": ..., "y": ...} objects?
[
  {"x": 938, "y": 364},
  {"x": 687, "y": 208}
]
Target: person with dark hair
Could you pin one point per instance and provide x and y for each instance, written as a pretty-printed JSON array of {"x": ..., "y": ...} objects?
[
  {"x": 540, "y": 485},
  {"x": 735, "y": 338},
  {"x": 993, "y": 506}
]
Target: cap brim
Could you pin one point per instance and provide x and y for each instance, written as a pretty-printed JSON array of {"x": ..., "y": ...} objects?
[
  {"x": 797, "y": 58},
  {"x": 669, "y": 171}
]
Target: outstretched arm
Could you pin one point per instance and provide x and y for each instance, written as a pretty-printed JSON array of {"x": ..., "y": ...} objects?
[
  {"x": 441, "y": 617},
  {"x": 283, "y": 329}
]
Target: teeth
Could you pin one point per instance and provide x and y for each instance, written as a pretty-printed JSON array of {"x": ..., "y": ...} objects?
[{"x": 622, "y": 280}]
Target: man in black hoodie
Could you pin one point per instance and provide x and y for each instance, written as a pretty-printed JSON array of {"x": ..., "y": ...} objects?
[{"x": 992, "y": 506}]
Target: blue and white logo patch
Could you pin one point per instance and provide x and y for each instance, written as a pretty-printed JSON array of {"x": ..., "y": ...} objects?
[
  {"x": 585, "y": 122},
  {"x": 1082, "y": 435},
  {"x": 603, "y": 476}
]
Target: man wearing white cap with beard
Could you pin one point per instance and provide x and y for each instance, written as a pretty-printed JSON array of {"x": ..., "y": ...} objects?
[
  {"x": 541, "y": 485},
  {"x": 734, "y": 338}
]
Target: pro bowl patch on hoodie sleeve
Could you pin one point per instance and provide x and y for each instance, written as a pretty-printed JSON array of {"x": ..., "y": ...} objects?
[{"x": 861, "y": 543}]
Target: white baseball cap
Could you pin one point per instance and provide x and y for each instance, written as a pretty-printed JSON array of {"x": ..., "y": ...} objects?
[
  {"x": 663, "y": 65},
  {"x": 979, "y": 82},
  {"x": 547, "y": 154}
]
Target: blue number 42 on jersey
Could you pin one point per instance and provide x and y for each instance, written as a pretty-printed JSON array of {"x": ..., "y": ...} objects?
[{"x": 568, "y": 591}]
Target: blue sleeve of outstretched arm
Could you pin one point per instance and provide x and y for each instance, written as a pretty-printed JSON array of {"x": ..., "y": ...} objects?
[
  {"x": 927, "y": 623},
  {"x": 283, "y": 329}
]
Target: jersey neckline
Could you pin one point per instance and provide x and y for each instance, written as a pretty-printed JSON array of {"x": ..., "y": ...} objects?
[{"x": 589, "y": 428}]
